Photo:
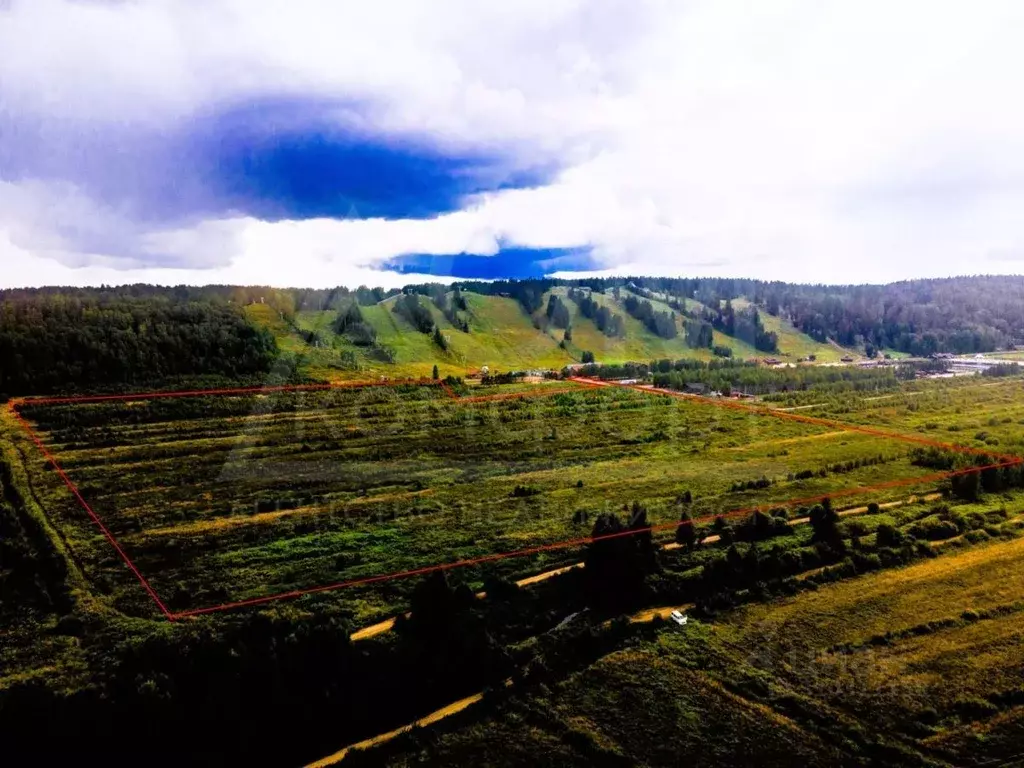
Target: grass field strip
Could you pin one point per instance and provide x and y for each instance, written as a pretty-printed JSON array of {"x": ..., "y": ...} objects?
[{"x": 1005, "y": 460}]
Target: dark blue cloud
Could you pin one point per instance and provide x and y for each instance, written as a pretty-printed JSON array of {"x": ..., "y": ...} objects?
[
  {"x": 508, "y": 263},
  {"x": 294, "y": 158},
  {"x": 283, "y": 159}
]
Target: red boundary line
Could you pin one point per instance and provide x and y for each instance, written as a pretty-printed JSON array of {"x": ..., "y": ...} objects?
[
  {"x": 818, "y": 421},
  {"x": 1007, "y": 461},
  {"x": 85, "y": 505},
  {"x": 576, "y": 542}
]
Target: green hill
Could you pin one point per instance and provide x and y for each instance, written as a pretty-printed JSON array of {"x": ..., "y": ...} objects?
[{"x": 503, "y": 337}]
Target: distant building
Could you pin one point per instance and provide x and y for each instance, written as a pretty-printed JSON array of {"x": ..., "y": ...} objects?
[
  {"x": 846, "y": 359},
  {"x": 696, "y": 387}
]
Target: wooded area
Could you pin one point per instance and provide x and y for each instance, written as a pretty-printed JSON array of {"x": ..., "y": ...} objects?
[{"x": 108, "y": 338}]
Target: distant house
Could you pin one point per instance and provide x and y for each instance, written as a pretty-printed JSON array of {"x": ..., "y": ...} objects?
[
  {"x": 846, "y": 359},
  {"x": 627, "y": 381},
  {"x": 696, "y": 387},
  {"x": 772, "y": 361}
]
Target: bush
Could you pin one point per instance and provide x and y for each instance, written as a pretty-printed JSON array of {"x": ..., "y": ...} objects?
[{"x": 933, "y": 529}]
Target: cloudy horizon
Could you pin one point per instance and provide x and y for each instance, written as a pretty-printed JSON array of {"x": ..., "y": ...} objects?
[{"x": 321, "y": 144}]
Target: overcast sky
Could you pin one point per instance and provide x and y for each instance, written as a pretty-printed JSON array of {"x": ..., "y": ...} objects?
[{"x": 322, "y": 143}]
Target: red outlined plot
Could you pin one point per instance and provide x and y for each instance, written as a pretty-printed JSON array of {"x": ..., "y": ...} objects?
[
  {"x": 92, "y": 515},
  {"x": 1004, "y": 460}
]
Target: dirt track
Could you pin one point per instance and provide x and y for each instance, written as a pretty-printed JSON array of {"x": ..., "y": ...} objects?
[
  {"x": 640, "y": 617},
  {"x": 388, "y": 624},
  {"x": 433, "y": 717}
]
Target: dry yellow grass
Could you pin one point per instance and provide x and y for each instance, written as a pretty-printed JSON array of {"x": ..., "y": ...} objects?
[
  {"x": 979, "y": 578},
  {"x": 263, "y": 518}
]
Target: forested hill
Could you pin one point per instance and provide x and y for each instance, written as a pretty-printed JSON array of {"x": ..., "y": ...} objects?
[
  {"x": 920, "y": 317},
  {"x": 54, "y": 340},
  {"x": 57, "y": 339},
  {"x": 969, "y": 314}
]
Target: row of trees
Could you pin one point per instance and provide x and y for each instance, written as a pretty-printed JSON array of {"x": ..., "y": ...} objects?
[
  {"x": 351, "y": 324},
  {"x": 745, "y": 325},
  {"x": 419, "y": 316},
  {"x": 661, "y": 324},
  {"x": 450, "y": 306},
  {"x": 729, "y": 376},
  {"x": 558, "y": 313},
  {"x": 607, "y": 322}
]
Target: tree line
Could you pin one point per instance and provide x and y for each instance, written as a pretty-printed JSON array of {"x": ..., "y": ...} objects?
[
  {"x": 662, "y": 324},
  {"x": 607, "y": 322},
  {"x": 745, "y": 325},
  {"x": 728, "y": 376},
  {"x": 419, "y": 316}
]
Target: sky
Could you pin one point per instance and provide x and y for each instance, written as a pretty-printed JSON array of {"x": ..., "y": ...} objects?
[{"x": 320, "y": 143}]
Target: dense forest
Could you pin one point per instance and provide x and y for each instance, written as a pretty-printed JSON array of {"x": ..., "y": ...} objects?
[
  {"x": 961, "y": 315},
  {"x": 105, "y": 338}
]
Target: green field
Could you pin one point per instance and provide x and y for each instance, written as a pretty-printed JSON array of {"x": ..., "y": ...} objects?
[
  {"x": 229, "y": 498},
  {"x": 295, "y": 490}
]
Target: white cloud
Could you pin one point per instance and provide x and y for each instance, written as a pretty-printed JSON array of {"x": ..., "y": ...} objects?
[{"x": 803, "y": 140}]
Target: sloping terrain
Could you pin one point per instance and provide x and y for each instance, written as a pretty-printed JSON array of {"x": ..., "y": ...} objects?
[
  {"x": 503, "y": 337},
  {"x": 797, "y": 345}
]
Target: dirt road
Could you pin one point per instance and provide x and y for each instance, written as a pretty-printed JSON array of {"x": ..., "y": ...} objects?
[
  {"x": 640, "y": 617},
  {"x": 383, "y": 738},
  {"x": 388, "y": 624}
]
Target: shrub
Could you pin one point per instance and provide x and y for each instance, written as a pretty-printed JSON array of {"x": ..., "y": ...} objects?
[{"x": 933, "y": 529}]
